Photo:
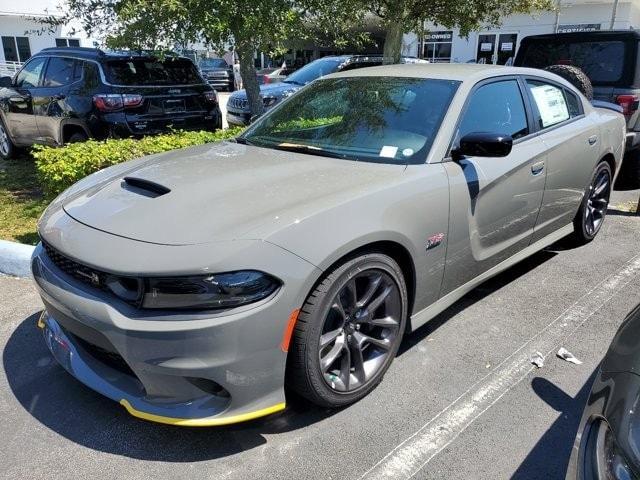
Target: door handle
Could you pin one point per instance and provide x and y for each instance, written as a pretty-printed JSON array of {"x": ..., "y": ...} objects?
[
  {"x": 537, "y": 168},
  {"x": 593, "y": 139}
]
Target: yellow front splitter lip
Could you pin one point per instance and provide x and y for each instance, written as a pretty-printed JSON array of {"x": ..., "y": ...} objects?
[{"x": 202, "y": 422}]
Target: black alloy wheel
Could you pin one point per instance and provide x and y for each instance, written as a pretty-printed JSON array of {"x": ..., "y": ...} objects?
[{"x": 348, "y": 331}]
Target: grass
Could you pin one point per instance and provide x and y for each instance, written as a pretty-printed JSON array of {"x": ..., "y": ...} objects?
[{"x": 21, "y": 200}]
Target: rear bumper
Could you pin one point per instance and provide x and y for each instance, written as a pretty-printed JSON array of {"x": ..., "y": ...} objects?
[
  {"x": 185, "y": 369},
  {"x": 221, "y": 83},
  {"x": 121, "y": 125}
]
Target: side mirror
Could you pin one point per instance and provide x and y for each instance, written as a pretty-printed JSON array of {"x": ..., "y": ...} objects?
[
  {"x": 5, "y": 82},
  {"x": 483, "y": 144}
]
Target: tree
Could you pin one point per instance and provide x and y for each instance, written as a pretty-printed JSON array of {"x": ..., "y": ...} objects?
[
  {"x": 402, "y": 16},
  {"x": 247, "y": 27}
]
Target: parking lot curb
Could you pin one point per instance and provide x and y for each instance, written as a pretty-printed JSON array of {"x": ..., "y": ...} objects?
[{"x": 15, "y": 258}]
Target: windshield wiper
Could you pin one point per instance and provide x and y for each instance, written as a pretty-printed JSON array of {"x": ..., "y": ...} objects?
[{"x": 310, "y": 149}]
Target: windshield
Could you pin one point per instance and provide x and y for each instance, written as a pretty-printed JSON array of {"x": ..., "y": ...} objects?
[
  {"x": 602, "y": 62},
  {"x": 213, "y": 63},
  {"x": 150, "y": 71},
  {"x": 376, "y": 119},
  {"x": 314, "y": 70}
]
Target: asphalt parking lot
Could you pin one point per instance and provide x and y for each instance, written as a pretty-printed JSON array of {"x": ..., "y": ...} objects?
[{"x": 461, "y": 400}]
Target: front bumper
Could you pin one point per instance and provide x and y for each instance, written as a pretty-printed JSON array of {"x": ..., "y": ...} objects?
[
  {"x": 178, "y": 368},
  {"x": 238, "y": 117}
]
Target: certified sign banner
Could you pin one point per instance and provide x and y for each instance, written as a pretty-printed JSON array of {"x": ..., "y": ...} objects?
[{"x": 578, "y": 27}]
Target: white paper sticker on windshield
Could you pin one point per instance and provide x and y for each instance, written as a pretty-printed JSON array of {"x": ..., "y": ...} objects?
[
  {"x": 551, "y": 104},
  {"x": 388, "y": 151}
]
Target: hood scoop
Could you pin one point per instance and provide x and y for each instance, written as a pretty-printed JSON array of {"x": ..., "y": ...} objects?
[{"x": 144, "y": 187}]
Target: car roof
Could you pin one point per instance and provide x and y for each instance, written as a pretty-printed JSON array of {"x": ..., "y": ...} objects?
[
  {"x": 446, "y": 71},
  {"x": 584, "y": 36},
  {"x": 96, "y": 53}
]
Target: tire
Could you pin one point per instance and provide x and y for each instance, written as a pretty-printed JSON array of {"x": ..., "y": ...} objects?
[
  {"x": 374, "y": 331},
  {"x": 77, "y": 137},
  {"x": 594, "y": 206},
  {"x": 7, "y": 147},
  {"x": 575, "y": 77}
]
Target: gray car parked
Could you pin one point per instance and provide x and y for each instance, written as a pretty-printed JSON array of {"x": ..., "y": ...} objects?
[{"x": 193, "y": 286}]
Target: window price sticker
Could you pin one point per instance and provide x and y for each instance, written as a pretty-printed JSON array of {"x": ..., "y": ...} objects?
[{"x": 551, "y": 104}]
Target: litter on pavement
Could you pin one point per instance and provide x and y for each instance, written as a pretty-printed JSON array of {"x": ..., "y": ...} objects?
[
  {"x": 565, "y": 354},
  {"x": 537, "y": 359}
]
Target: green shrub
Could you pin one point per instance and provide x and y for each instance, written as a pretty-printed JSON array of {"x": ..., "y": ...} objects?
[{"x": 61, "y": 167}]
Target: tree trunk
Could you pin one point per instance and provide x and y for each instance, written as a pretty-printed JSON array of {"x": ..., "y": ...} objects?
[
  {"x": 392, "y": 51},
  {"x": 250, "y": 79}
]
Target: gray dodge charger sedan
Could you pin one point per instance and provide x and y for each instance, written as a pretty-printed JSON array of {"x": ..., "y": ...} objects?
[{"x": 195, "y": 287}]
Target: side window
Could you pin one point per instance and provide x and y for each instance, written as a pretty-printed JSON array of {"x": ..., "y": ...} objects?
[
  {"x": 550, "y": 103},
  {"x": 59, "y": 72},
  {"x": 29, "y": 76},
  {"x": 573, "y": 103},
  {"x": 496, "y": 108}
]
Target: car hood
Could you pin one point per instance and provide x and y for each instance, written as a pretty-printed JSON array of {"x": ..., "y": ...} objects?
[
  {"x": 277, "y": 90},
  {"x": 217, "y": 192}
]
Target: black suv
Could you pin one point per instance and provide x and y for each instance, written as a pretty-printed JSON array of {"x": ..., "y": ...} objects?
[
  {"x": 217, "y": 72},
  {"x": 69, "y": 94},
  {"x": 608, "y": 58}
]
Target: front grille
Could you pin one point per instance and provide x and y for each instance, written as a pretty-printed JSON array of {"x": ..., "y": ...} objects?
[
  {"x": 110, "y": 359},
  {"x": 88, "y": 275},
  {"x": 238, "y": 103},
  {"x": 127, "y": 289},
  {"x": 217, "y": 75}
]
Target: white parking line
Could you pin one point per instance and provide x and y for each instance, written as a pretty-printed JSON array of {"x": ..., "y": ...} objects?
[{"x": 410, "y": 456}]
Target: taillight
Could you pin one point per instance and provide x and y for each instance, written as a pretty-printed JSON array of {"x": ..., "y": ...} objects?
[
  {"x": 629, "y": 103},
  {"x": 211, "y": 97},
  {"x": 266, "y": 79},
  {"x": 113, "y": 102}
]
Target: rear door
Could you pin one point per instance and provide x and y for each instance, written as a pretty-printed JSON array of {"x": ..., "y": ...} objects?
[
  {"x": 20, "y": 117},
  {"x": 50, "y": 101},
  {"x": 571, "y": 139},
  {"x": 494, "y": 202}
]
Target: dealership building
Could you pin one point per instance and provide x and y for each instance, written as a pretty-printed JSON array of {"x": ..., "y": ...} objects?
[{"x": 499, "y": 45}]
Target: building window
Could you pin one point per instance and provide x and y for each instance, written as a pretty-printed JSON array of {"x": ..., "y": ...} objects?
[
  {"x": 67, "y": 42},
  {"x": 437, "y": 46},
  {"x": 16, "y": 49}
]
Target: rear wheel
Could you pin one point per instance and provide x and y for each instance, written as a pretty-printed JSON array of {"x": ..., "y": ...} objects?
[
  {"x": 594, "y": 205},
  {"x": 77, "y": 137},
  {"x": 7, "y": 148},
  {"x": 348, "y": 331}
]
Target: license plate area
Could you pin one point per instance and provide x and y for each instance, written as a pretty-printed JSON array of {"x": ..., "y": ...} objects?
[{"x": 176, "y": 105}]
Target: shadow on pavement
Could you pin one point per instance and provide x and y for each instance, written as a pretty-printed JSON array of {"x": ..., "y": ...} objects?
[
  {"x": 484, "y": 290},
  {"x": 549, "y": 458},
  {"x": 67, "y": 407}
]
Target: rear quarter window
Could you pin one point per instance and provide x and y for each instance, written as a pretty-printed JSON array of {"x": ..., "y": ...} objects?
[{"x": 602, "y": 62}]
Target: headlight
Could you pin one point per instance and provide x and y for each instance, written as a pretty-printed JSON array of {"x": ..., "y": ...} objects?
[
  {"x": 268, "y": 101},
  {"x": 224, "y": 290}
]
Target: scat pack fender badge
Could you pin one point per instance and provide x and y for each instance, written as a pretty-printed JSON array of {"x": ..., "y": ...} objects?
[{"x": 434, "y": 240}]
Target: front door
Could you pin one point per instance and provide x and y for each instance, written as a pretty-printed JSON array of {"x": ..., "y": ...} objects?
[
  {"x": 20, "y": 117},
  {"x": 496, "y": 48},
  {"x": 494, "y": 202},
  {"x": 486, "y": 48}
]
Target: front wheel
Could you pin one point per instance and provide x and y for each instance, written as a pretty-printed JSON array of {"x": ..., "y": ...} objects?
[
  {"x": 594, "y": 205},
  {"x": 348, "y": 331},
  {"x": 7, "y": 148}
]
